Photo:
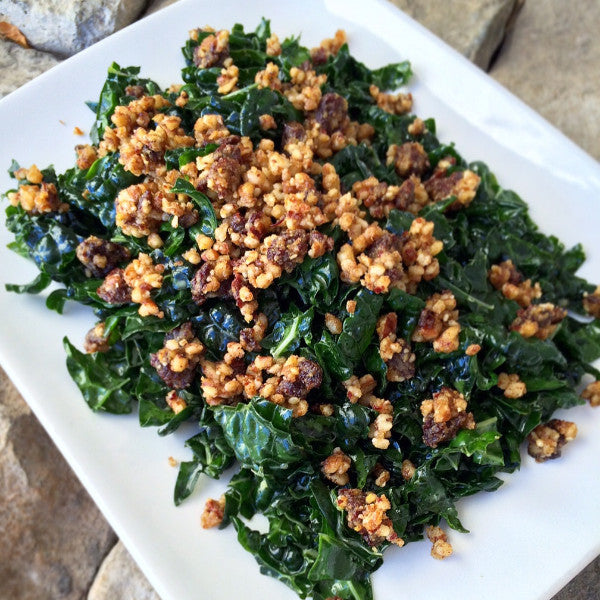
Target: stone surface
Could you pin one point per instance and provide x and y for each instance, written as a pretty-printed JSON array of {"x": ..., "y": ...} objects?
[
  {"x": 155, "y": 5},
  {"x": 586, "y": 586},
  {"x": 18, "y": 65},
  {"x": 120, "y": 577},
  {"x": 65, "y": 27},
  {"x": 52, "y": 535},
  {"x": 475, "y": 28},
  {"x": 551, "y": 60}
]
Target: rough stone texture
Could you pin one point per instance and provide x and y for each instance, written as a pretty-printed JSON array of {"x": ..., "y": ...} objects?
[
  {"x": 18, "y": 65},
  {"x": 475, "y": 28},
  {"x": 52, "y": 535},
  {"x": 586, "y": 586},
  {"x": 155, "y": 5},
  {"x": 65, "y": 27},
  {"x": 120, "y": 577},
  {"x": 551, "y": 59}
]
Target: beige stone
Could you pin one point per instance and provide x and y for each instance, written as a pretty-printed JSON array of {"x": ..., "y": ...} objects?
[
  {"x": 53, "y": 536},
  {"x": 120, "y": 577},
  {"x": 551, "y": 60},
  {"x": 69, "y": 25},
  {"x": 18, "y": 65},
  {"x": 475, "y": 28}
]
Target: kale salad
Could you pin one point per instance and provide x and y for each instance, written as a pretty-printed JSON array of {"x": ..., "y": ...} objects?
[{"x": 362, "y": 325}]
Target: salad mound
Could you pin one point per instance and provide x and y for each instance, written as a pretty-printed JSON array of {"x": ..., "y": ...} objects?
[{"x": 279, "y": 251}]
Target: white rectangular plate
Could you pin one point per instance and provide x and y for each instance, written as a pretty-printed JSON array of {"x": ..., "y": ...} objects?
[{"x": 528, "y": 539}]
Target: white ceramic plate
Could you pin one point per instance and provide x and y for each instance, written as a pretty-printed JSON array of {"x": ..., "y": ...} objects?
[{"x": 527, "y": 540}]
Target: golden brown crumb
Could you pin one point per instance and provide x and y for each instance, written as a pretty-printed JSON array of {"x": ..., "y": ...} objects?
[
  {"x": 444, "y": 415},
  {"x": 381, "y": 475},
  {"x": 367, "y": 515},
  {"x": 417, "y": 127},
  {"x": 227, "y": 80},
  {"x": 591, "y": 303},
  {"x": 394, "y": 351},
  {"x": 96, "y": 339},
  {"x": 592, "y": 393},
  {"x": 174, "y": 402},
  {"x": 472, "y": 349},
  {"x": 357, "y": 388},
  {"x": 539, "y": 320},
  {"x": 397, "y": 104},
  {"x": 512, "y": 385},
  {"x": 86, "y": 155},
  {"x": 283, "y": 381},
  {"x": 441, "y": 548},
  {"x": 214, "y": 511},
  {"x": 509, "y": 281},
  {"x": 273, "y": 47},
  {"x": 408, "y": 470},
  {"x": 172, "y": 461},
  {"x": 267, "y": 122},
  {"x": 38, "y": 199},
  {"x": 333, "y": 324},
  {"x": 461, "y": 184},
  {"x": 328, "y": 47},
  {"x": 335, "y": 467},
  {"x": 546, "y": 441},
  {"x": 438, "y": 323},
  {"x": 143, "y": 276},
  {"x": 78, "y": 131}
]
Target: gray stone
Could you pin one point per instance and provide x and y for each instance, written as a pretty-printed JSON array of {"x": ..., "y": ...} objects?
[
  {"x": 155, "y": 5},
  {"x": 53, "y": 536},
  {"x": 65, "y": 27},
  {"x": 550, "y": 60},
  {"x": 475, "y": 28},
  {"x": 120, "y": 577},
  {"x": 18, "y": 65}
]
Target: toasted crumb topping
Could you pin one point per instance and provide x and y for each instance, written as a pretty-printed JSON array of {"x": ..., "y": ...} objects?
[
  {"x": 538, "y": 320},
  {"x": 176, "y": 361},
  {"x": 96, "y": 339},
  {"x": 335, "y": 467},
  {"x": 214, "y": 511},
  {"x": 142, "y": 276},
  {"x": 285, "y": 382},
  {"x": 591, "y": 303},
  {"x": 175, "y": 402},
  {"x": 397, "y": 104},
  {"x": 408, "y": 469},
  {"x": 394, "y": 351},
  {"x": 512, "y": 385},
  {"x": 546, "y": 441},
  {"x": 592, "y": 393},
  {"x": 38, "y": 199},
  {"x": 509, "y": 281},
  {"x": 441, "y": 548},
  {"x": 438, "y": 323},
  {"x": 444, "y": 415},
  {"x": 367, "y": 515}
]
